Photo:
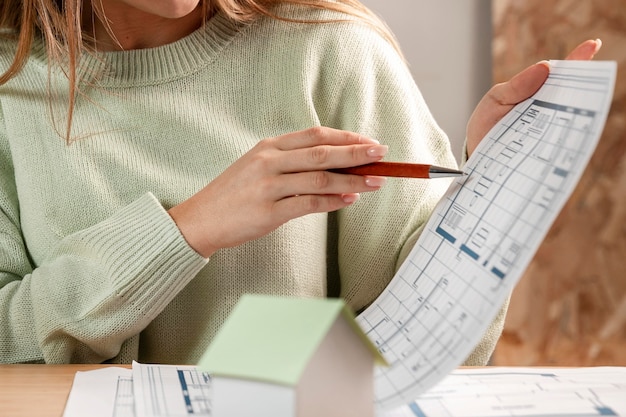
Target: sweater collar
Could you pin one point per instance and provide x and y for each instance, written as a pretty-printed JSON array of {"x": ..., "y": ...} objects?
[{"x": 155, "y": 65}]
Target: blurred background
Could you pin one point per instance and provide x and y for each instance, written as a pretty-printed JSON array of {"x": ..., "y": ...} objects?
[{"x": 569, "y": 308}]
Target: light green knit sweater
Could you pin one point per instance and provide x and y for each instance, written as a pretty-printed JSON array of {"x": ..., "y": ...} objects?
[{"x": 93, "y": 269}]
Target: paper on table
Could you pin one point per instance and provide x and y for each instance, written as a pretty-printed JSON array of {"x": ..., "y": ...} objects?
[
  {"x": 485, "y": 231},
  {"x": 105, "y": 392},
  {"x": 484, "y": 392},
  {"x": 523, "y": 392},
  {"x": 171, "y": 391},
  {"x": 146, "y": 390}
]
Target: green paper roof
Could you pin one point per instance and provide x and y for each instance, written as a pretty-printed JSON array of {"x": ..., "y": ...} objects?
[{"x": 273, "y": 338}]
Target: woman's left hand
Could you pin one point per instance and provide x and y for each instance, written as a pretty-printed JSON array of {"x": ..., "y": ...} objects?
[{"x": 501, "y": 98}]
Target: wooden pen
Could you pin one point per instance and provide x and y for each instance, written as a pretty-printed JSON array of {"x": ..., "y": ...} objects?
[{"x": 400, "y": 169}]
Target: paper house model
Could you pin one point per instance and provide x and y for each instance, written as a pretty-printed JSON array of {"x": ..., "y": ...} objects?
[{"x": 291, "y": 357}]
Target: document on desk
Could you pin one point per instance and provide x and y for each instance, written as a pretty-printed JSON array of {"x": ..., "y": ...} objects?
[
  {"x": 144, "y": 391},
  {"x": 523, "y": 392},
  {"x": 106, "y": 392},
  {"x": 485, "y": 231},
  {"x": 171, "y": 391},
  {"x": 483, "y": 392}
]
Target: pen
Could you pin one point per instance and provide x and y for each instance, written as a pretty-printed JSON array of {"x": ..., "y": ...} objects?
[{"x": 401, "y": 169}]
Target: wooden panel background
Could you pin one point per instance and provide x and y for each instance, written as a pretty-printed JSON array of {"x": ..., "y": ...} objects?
[{"x": 570, "y": 306}]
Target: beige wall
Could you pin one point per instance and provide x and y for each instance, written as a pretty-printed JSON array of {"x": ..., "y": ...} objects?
[
  {"x": 570, "y": 307},
  {"x": 448, "y": 46}
]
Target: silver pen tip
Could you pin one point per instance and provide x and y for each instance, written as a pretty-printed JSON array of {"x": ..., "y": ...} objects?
[{"x": 441, "y": 172}]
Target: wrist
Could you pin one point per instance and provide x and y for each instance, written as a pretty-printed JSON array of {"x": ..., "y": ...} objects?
[{"x": 188, "y": 225}]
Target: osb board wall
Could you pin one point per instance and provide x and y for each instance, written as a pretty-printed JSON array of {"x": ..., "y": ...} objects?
[{"x": 570, "y": 306}]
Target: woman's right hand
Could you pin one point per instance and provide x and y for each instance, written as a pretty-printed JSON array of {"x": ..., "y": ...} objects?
[{"x": 280, "y": 179}]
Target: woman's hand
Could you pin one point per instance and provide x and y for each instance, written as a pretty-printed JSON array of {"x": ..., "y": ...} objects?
[
  {"x": 278, "y": 180},
  {"x": 501, "y": 98}
]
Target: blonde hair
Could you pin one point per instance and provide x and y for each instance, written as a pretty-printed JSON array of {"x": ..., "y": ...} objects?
[{"x": 59, "y": 23}]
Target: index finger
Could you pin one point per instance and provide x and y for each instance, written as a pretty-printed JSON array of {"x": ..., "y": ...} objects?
[{"x": 585, "y": 51}]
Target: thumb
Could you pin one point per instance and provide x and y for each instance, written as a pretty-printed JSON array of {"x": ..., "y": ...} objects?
[{"x": 522, "y": 85}]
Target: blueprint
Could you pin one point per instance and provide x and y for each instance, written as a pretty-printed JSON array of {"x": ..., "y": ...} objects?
[
  {"x": 143, "y": 391},
  {"x": 171, "y": 391},
  {"x": 523, "y": 392},
  {"x": 486, "y": 230},
  {"x": 183, "y": 391}
]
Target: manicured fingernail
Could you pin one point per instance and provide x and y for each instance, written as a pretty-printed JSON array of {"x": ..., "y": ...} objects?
[
  {"x": 377, "y": 151},
  {"x": 375, "y": 182},
  {"x": 350, "y": 198},
  {"x": 543, "y": 62}
]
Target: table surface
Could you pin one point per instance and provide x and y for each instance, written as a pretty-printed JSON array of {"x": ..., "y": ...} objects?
[{"x": 37, "y": 390}]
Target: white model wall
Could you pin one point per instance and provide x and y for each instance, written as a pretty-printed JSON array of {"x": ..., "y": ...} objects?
[{"x": 448, "y": 46}]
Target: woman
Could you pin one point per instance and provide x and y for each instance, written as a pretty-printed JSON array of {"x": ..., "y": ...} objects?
[{"x": 139, "y": 198}]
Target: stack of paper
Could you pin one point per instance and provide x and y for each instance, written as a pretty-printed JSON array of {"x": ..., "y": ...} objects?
[{"x": 183, "y": 391}]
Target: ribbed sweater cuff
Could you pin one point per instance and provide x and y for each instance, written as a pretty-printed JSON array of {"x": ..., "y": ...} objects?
[{"x": 149, "y": 260}]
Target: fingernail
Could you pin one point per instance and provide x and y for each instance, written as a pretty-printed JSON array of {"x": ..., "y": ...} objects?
[
  {"x": 379, "y": 150},
  {"x": 350, "y": 198},
  {"x": 543, "y": 62},
  {"x": 375, "y": 182}
]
